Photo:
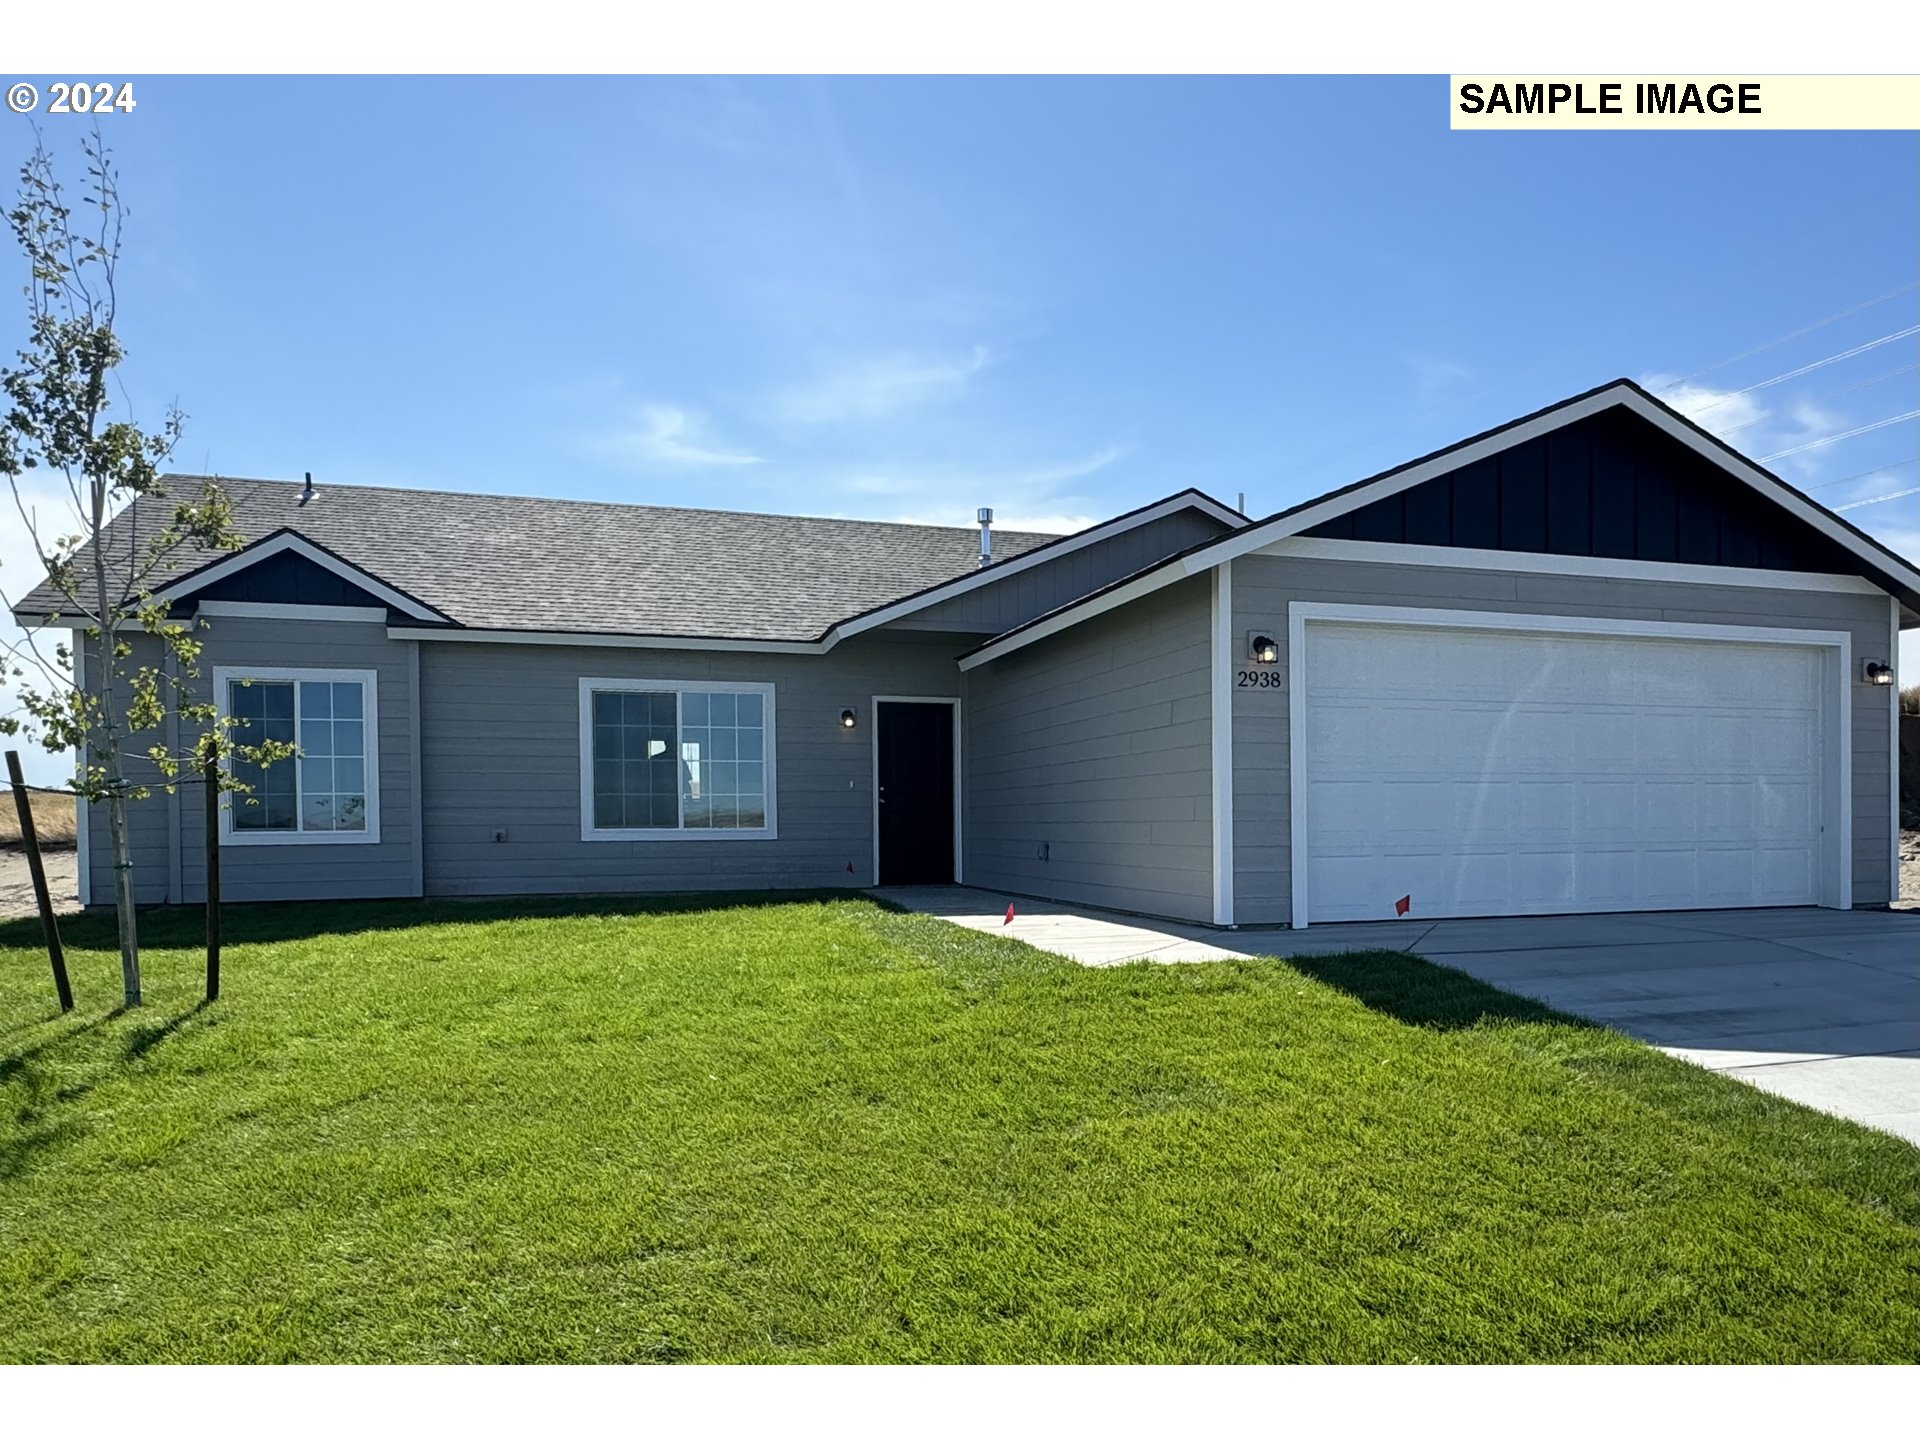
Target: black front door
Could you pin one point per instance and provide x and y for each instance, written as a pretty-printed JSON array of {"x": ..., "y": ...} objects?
[{"x": 916, "y": 793}]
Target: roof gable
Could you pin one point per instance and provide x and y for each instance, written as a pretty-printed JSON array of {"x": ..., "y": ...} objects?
[
  {"x": 1821, "y": 541},
  {"x": 288, "y": 568},
  {"x": 1609, "y": 485}
]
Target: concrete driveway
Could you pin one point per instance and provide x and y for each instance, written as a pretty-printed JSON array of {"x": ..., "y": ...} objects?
[{"x": 1821, "y": 1006}]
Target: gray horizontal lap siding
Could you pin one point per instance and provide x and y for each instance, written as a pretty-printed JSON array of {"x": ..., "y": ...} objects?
[
  {"x": 1096, "y": 743},
  {"x": 1264, "y": 584},
  {"x": 501, "y": 748},
  {"x": 1019, "y": 598},
  {"x": 168, "y": 832}
]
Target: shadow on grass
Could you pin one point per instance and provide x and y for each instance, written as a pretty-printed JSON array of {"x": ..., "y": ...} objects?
[
  {"x": 266, "y": 922},
  {"x": 28, "y": 1084},
  {"x": 1419, "y": 992},
  {"x": 143, "y": 1038}
]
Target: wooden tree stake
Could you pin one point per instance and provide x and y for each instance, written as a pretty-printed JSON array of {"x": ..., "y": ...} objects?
[
  {"x": 31, "y": 840},
  {"x": 213, "y": 879}
]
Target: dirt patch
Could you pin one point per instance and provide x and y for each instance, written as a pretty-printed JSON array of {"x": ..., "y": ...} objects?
[
  {"x": 1909, "y": 870},
  {"x": 16, "y": 881}
]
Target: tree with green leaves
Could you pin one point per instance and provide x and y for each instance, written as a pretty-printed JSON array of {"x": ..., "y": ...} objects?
[{"x": 119, "y": 530}]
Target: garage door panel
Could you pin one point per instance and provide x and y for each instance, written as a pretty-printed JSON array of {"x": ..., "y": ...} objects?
[
  {"x": 1488, "y": 772},
  {"x": 1605, "y": 879},
  {"x": 1788, "y": 870}
]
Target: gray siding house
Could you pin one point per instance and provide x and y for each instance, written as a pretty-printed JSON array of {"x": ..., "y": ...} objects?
[{"x": 1593, "y": 660}]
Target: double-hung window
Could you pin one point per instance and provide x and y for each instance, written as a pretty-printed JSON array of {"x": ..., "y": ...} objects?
[
  {"x": 329, "y": 793},
  {"x": 676, "y": 760}
]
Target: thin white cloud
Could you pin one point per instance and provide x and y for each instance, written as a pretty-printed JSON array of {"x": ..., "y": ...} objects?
[
  {"x": 869, "y": 389},
  {"x": 669, "y": 435},
  {"x": 1034, "y": 482},
  {"x": 1719, "y": 411}
]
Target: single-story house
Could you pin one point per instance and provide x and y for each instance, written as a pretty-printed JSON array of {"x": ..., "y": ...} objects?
[{"x": 1592, "y": 660}]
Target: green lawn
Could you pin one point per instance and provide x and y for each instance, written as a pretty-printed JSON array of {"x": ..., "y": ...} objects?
[{"x": 816, "y": 1130}]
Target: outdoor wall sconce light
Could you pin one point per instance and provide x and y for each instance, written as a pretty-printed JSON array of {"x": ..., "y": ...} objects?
[
  {"x": 1264, "y": 649},
  {"x": 847, "y": 719},
  {"x": 1876, "y": 672}
]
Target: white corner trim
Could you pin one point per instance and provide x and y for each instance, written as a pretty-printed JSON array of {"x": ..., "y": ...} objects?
[
  {"x": 1222, "y": 744},
  {"x": 261, "y": 610},
  {"x": 1298, "y": 900},
  {"x": 369, "y": 681},
  {"x": 873, "y": 787},
  {"x": 263, "y": 550},
  {"x": 1308, "y": 547},
  {"x": 1893, "y": 751},
  {"x": 83, "y": 812},
  {"x": 588, "y": 640},
  {"x": 1837, "y": 716},
  {"x": 1033, "y": 559},
  {"x": 590, "y": 683},
  {"x": 417, "y": 775}
]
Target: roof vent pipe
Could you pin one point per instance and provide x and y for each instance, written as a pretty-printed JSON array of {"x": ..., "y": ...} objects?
[
  {"x": 307, "y": 491},
  {"x": 985, "y": 517}
]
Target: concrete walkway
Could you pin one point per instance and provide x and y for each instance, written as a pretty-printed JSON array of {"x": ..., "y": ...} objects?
[{"x": 1821, "y": 1006}]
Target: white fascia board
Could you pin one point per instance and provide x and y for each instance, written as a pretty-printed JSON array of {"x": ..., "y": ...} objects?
[
  {"x": 243, "y": 559},
  {"x": 1260, "y": 534},
  {"x": 1265, "y": 533},
  {"x": 1033, "y": 559},
  {"x": 1788, "y": 499},
  {"x": 1308, "y": 547},
  {"x": 1082, "y": 610},
  {"x": 588, "y": 639}
]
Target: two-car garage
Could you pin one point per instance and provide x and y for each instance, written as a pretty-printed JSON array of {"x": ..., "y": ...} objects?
[
  {"x": 1490, "y": 765},
  {"x": 1592, "y": 661}
]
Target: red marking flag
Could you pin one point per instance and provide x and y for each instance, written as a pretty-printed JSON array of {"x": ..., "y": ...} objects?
[
  {"x": 1009, "y": 919},
  {"x": 1403, "y": 905}
]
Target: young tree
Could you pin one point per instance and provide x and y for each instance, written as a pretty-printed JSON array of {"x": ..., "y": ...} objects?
[{"x": 128, "y": 526}]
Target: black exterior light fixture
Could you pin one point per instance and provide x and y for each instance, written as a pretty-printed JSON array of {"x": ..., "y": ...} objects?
[
  {"x": 847, "y": 719},
  {"x": 1876, "y": 672},
  {"x": 1264, "y": 649}
]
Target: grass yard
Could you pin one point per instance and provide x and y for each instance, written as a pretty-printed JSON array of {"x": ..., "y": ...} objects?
[{"x": 817, "y": 1130}]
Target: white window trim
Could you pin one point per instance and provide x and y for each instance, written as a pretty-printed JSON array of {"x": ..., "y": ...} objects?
[
  {"x": 589, "y": 684},
  {"x": 368, "y": 680},
  {"x": 1837, "y": 715},
  {"x": 873, "y": 787}
]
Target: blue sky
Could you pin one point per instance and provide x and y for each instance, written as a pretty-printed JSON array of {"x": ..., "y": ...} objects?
[{"x": 905, "y": 299}]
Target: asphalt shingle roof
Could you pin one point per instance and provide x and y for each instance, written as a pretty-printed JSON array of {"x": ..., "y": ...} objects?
[{"x": 507, "y": 562}]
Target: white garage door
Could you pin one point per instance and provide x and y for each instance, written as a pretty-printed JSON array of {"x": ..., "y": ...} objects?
[{"x": 1496, "y": 773}]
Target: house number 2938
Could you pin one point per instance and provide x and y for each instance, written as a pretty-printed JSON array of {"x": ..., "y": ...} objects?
[{"x": 1260, "y": 680}]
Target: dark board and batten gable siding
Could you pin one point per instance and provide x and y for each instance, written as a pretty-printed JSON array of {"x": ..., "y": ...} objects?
[
  {"x": 287, "y": 578},
  {"x": 1610, "y": 486}
]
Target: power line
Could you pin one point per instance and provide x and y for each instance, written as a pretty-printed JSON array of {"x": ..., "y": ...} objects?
[
  {"x": 1863, "y": 474},
  {"x": 1803, "y": 330},
  {"x": 1823, "y": 395},
  {"x": 1732, "y": 395},
  {"x": 1896, "y": 495},
  {"x": 1843, "y": 435}
]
